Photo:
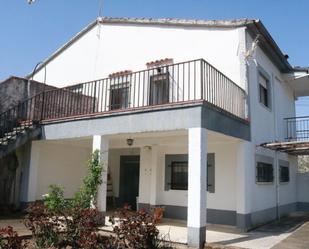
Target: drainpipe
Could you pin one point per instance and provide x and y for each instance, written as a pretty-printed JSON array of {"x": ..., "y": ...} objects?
[
  {"x": 276, "y": 164},
  {"x": 44, "y": 86}
]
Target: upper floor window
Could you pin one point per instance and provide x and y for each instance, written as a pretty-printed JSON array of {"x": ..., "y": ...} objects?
[
  {"x": 119, "y": 96},
  {"x": 264, "y": 172},
  {"x": 77, "y": 88},
  {"x": 120, "y": 89},
  {"x": 264, "y": 90},
  {"x": 284, "y": 174},
  {"x": 159, "y": 88}
]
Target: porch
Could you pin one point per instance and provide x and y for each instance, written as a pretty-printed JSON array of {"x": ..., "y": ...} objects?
[{"x": 151, "y": 169}]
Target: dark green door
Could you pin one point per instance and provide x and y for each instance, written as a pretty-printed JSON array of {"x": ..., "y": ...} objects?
[{"x": 129, "y": 180}]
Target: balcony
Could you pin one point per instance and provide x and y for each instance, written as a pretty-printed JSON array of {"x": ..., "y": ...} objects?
[
  {"x": 297, "y": 137},
  {"x": 297, "y": 129},
  {"x": 172, "y": 84},
  {"x": 159, "y": 87}
]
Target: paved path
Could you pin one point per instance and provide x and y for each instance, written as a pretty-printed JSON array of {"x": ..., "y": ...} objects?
[
  {"x": 297, "y": 240},
  {"x": 290, "y": 233}
]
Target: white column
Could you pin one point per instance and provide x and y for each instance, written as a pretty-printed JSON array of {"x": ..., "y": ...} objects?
[
  {"x": 33, "y": 171},
  {"x": 154, "y": 176},
  {"x": 245, "y": 174},
  {"x": 197, "y": 190},
  {"x": 101, "y": 143},
  {"x": 145, "y": 176}
]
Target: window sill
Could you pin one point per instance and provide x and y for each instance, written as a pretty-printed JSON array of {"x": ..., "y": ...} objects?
[
  {"x": 265, "y": 107},
  {"x": 264, "y": 183}
]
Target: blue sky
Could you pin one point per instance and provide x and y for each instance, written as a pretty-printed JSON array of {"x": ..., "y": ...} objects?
[{"x": 30, "y": 33}]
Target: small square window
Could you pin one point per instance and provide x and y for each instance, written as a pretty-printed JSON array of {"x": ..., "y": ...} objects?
[
  {"x": 179, "y": 175},
  {"x": 264, "y": 172},
  {"x": 77, "y": 88},
  {"x": 264, "y": 93},
  {"x": 284, "y": 174}
]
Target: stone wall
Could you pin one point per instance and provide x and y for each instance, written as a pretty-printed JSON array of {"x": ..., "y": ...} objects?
[{"x": 14, "y": 90}]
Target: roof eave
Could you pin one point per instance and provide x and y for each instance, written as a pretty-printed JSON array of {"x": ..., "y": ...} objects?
[
  {"x": 269, "y": 46},
  {"x": 65, "y": 46}
]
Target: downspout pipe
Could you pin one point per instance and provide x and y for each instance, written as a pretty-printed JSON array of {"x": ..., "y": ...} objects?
[{"x": 276, "y": 163}]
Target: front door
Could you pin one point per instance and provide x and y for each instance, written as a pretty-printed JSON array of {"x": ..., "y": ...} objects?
[{"x": 129, "y": 180}]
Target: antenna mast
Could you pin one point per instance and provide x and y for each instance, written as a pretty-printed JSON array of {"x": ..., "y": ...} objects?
[{"x": 100, "y": 14}]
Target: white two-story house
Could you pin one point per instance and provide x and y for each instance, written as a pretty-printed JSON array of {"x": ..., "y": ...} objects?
[{"x": 187, "y": 114}]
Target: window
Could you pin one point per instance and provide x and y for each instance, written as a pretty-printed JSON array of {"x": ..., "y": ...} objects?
[
  {"x": 119, "y": 96},
  {"x": 179, "y": 175},
  {"x": 159, "y": 88},
  {"x": 284, "y": 174},
  {"x": 176, "y": 172},
  {"x": 264, "y": 90},
  {"x": 76, "y": 88},
  {"x": 264, "y": 172}
]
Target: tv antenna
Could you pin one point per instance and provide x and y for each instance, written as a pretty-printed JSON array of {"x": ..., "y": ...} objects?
[{"x": 100, "y": 13}]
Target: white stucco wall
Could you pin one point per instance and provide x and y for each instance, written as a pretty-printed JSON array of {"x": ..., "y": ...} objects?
[
  {"x": 302, "y": 187},
  {"x": 267, "y": 124},
  {"x": 115, "y": 47},
  {"x": 61, "y": 164},
  {"x": 224, "y": 197},
  {"x": 264, "y": 195}
]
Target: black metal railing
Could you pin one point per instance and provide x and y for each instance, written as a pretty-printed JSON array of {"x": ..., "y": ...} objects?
[
  {"x": 22, "y": 115},
  {"x": 297, "y": 128},
  {"x": 185, "y": 82},
  {"x": 176, "y": 83}
]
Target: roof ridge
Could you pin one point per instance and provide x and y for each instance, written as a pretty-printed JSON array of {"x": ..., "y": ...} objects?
[{"x": 180, "y": 21}]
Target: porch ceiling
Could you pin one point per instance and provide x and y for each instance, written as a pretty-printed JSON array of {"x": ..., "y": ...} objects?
[
  {"x": 174, "y": 138},
  {"x": 300, "y": 84}
]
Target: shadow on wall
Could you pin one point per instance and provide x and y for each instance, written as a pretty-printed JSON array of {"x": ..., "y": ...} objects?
[{"x": 9, "y": 187}]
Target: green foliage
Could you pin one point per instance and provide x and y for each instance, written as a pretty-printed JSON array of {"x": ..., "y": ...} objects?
[
  {"x": 54, "y": 200},
  {"x": 60, "y": 223},
  {"x": 89, "y": 190},
  {"x": 303, "y": 164}
]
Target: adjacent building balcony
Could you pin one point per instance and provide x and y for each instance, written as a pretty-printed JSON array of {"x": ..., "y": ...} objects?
[
  {"x": 297, "y": 129},
  {"x": 296, "y": 141}
]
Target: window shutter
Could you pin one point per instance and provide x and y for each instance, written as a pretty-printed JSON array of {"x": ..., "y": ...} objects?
[
  {"x": 211, "y": 173},
  {"x": 263, "y": 81}
]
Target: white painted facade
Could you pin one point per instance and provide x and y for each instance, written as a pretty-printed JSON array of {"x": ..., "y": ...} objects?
[
  {"x": 302, "y": 187},
  {"x": 109, "y": 48}
]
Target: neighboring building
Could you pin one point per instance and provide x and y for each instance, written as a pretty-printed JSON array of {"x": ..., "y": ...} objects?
[
  {"x": 163, "y": 119},
  {"x": 14, "y": 91}
]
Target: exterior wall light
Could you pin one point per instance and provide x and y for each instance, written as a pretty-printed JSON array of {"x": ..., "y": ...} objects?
[{"x": 130, "y": 141}]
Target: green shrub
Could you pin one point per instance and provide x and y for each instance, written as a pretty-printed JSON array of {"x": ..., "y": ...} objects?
[
  {"x": 54, "y": 200},
  {"x": 89, "y": 190}
]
